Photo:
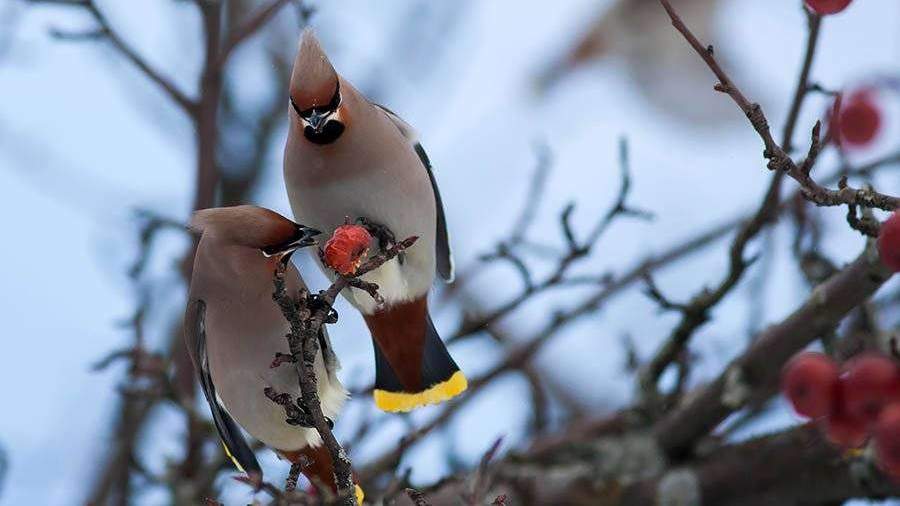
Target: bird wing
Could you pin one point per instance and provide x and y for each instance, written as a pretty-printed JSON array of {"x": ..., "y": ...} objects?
[
  {"x": 235, "y": 445},
  {"x": 444, "y": 255}
]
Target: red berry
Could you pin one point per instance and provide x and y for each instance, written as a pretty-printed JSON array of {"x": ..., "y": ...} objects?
[
  {"x": 845, "y": 431},
  {"x": 889, "y": 242},
  {"x": 827, "y": 6},
  {"x": 869, "y": 384},
  {"x": 887, "y": 440},
  {"x": 346, "y": 248},
  {"x": 810, "y": 381},
  {"x": 859, "y": 119}
]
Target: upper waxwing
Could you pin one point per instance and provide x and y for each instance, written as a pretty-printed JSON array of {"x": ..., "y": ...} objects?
[
  {"x": 347, "y": 157},
  {"x": 661, "y": 65},
  {"x": 233, "y": 329}
]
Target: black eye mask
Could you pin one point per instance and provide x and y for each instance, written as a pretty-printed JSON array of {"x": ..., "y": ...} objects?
[
  {"x": 303, "y": 237},
  {"x": 318, "y": 127},
  {"x": 323, "y": 111}
]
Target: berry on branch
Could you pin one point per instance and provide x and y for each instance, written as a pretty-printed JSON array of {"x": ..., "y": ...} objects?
[
  {"x": 868, "y": 386},
  {"x": 887, "y": 440},
  {"x": 809, "y": 382},
  {"x": 859, "y": 119},
  {"x": 845, "y": 431},
  {"x": 889, "y": 242},
  {"x": 346, "y": 248},
  {"x": 823, "y": 7}
]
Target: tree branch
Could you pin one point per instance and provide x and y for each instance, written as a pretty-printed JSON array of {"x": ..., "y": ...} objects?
[
  {"x": 796, "y": 466},
  {"x": 306, "y": 319},
  {"x": 247, "y": 29},
  {"x": 753, "y": 376},
  {"x": 696, "y": 313},
  {"x": 107, "y": 31},
  {"x": 778, "y": 159}
]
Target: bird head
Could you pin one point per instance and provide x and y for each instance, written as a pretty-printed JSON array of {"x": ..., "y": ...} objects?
[
  {"x": 315, "y": 93},
  {"x": 254, "y": 227}
]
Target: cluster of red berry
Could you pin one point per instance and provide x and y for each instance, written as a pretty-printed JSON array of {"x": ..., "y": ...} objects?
[
  {"x": 853, "y": 403},
  {"x": 855, "y": 120},
  {"x": 861, "y": 399}
]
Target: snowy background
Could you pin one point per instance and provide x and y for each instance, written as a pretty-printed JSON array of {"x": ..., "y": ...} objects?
[{"x": 85, "y": 140}]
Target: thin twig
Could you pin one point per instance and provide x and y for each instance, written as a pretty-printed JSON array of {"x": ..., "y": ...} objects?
[
  {"x": 753, "y": 376},
  {"x": 306, "y": 322},
  {"x": 481, "y": 481},
  {"x": 576, "y": 250},
  {"x": 778, "y": 159},
  {"x": 535, "y": 192},
  {"x": 127, "y": 51},
  {"x": 696, "y": 313},
  {"x": 814, "y": 22},
  {"x": 251, "y": 26},
  {"x": 418, "y": 498},
  {"x": 290, "y": 483}
]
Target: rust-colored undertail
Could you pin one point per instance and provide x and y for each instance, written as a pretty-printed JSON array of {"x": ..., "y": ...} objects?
[
  {"x": 318, "y": 467},
  {"x": 412, "y": 366}
]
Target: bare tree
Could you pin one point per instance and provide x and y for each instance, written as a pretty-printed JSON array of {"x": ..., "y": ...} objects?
[{"x": 671, "y": 446}]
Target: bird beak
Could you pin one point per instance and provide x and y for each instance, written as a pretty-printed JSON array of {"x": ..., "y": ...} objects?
[
  {"x": 304, "y": 237},
  {"x": 317, "y": 120}
]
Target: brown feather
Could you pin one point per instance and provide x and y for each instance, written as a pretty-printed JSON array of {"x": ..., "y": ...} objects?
[
  {"x": 246, "y": 225},
  {"x": 314, "y": 80},
  {"x": 399, "y": 332},
  {"x": 316, "y": 464}
]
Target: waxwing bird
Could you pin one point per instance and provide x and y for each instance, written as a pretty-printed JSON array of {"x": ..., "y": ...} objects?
[
  {"x": 348, "y": 157},
  {"x": 233, "y": 329},
  {"x": 639, "y": 35}
]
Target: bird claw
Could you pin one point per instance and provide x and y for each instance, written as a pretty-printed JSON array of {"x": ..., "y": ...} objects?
[
  {"x": 299, "y": 415},
  {"x": 386, "y": 238},
  {"x": 301, "y": 421},
  {"x": 315, "y": 302},
  {"x": 307, "y": 422}
]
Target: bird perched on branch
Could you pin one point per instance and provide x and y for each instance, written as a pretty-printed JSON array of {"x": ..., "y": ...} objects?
[
  {"x": 234, "y": 329},
  {"x": 346, "y": 156},
  {"x": 639, "y": 34}
]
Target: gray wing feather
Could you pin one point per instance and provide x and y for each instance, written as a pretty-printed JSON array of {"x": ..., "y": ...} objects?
[
  {"x": 235, "y": 445},
  {"x": 328, "y": 357},
  {"x": 442, "y": 248}
]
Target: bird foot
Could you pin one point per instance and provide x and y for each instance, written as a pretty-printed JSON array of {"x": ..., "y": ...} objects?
[
  {"x": 300, "y": 416},
  {"x": 315, "y": 302},
  {"x": 386, "y": 238}
]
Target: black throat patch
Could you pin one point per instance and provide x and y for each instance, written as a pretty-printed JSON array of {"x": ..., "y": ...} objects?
[
  {"x": 318, "y": 125},
  {"x": 329, "y": 132}
]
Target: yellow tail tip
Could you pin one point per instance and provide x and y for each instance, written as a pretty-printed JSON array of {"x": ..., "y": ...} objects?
[
  {"x": 360, "y": 495},
  {"x": 406, "y": 401}
]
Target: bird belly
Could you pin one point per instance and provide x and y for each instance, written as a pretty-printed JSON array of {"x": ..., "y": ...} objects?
[
  {"x": 327, "y": 206},
  {"x": 241, "y": 381}
]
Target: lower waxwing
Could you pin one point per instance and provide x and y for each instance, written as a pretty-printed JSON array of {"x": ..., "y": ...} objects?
[{"x": 233, "y": 330}]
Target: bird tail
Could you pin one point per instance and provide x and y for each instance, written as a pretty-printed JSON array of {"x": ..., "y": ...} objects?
[{"x": 412, "y": 366}]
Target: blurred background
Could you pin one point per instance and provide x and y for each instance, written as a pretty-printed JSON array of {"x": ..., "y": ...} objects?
[{"x": 520, "y": 104}]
